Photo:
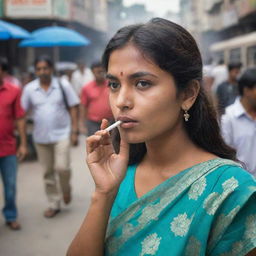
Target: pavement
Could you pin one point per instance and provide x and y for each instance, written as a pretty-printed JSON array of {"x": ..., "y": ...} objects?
[{"x": 40, "y": 236}]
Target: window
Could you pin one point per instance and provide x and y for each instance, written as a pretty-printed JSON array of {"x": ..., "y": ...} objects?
[
  {"x": 251, "y": 56},
  {"x": 235, "y": 55}
]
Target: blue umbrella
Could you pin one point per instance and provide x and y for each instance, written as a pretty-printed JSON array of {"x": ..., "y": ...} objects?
[
  {"x": 55, "y": 36},
  {"x": 9, "y": 30}
]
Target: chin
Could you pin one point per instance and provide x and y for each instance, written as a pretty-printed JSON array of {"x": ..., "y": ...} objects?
[{"x": 132, "y": 139}]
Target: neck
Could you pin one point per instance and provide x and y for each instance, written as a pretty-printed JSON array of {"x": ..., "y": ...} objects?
[
  {"x": 251, "y": 110},
  {"x": 232, "y": 81},
  {"x": 45, "y": 83},
  {"x": 173, "y": 152},
  {"x": 100, "y": 82}
]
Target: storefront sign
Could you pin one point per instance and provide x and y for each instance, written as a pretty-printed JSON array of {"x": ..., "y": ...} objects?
[{"x": 28, "y": 8}]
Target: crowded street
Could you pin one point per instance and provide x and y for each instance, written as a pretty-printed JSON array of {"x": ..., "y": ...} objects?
[{"x": 40, "y": 236}]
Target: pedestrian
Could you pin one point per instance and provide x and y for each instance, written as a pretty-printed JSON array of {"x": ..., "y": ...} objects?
[
  {"x": 54, "y": 112},
  {"x": 219, "y": 74},
  {"x": 94, "y": 100},
  {"x": 183, "y": 192},
  {"x": 10, "y": 113},
  {"x": 81, "y": 76},
  {"x": 239, "y": 121},
  {"x": 227, "y": 91}
]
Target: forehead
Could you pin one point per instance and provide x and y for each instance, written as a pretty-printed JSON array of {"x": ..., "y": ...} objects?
[
  {"x": 42, "y": 63},
  {"x": 129, "y": 60}
]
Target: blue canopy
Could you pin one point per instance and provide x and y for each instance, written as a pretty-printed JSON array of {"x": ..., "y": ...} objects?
[
  {"x": 55, "y": 36},
  {"x": 9, "y": 30}
]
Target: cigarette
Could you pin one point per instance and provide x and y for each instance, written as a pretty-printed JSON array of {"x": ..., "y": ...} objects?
[{"x": 114, "y": 125}]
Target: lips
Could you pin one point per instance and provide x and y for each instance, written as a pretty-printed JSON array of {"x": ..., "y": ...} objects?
[{"x": 127, "y": 122}]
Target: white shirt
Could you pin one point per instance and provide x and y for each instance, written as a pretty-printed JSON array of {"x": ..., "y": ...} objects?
[
  {"x": 79, "y": 79},
  {"x": 51, "y": 118},
  {"x": 239, "y": 131}
]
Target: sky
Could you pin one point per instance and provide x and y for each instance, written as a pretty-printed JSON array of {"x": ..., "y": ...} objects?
[{"x": 159, "y": 7}]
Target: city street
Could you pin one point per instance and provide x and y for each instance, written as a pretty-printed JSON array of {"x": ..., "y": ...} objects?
[{"x": 40, "y": 236}]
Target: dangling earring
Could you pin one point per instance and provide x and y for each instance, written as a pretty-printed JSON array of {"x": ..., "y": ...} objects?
[{"x": 186, "y": 115}]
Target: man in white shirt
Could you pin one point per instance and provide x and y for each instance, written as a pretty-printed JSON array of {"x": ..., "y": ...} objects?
[
  {"x": 54, "y": 107},
  {"x": 81, "y": 76},
  {"x": 239, "y": 121}
]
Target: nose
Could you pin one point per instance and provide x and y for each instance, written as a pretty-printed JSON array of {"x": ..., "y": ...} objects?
[{"x": 124, "y": 99}]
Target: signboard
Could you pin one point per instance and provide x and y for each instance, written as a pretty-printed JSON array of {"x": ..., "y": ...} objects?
[
  {"x": 28, "y": 8},
  {"x": 61, "y": 9}
]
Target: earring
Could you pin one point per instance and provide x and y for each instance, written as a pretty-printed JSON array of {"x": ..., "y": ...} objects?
[{"x": 186, "y": 115}]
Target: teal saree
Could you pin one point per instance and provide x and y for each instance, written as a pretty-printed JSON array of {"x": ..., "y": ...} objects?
[{"x": 208, "y": 209}]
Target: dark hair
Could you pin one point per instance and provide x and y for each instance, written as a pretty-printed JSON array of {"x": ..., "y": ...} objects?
[
  {"x": 247, "y": 79},
  {"x": 96, "y": 64},
  {"x": 4, "y": 64},
  {"x": 234, "y": 65},
  {"x": 44, "y": 58},
  {"x": 174, "y": 50}
]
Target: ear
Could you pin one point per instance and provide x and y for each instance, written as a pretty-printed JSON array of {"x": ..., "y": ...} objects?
[{"x": 190, "y": 94}]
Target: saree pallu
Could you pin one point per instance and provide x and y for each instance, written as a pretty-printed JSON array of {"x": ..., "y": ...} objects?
[{"x": 208, "y": 209}]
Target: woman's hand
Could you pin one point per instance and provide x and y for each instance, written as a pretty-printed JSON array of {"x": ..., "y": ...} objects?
[{"x": 107, "y": 168}]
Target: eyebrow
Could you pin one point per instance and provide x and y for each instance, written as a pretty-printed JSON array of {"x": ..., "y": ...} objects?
[{"x": 132, "y": 76}]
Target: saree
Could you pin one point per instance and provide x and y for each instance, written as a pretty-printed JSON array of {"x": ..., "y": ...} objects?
[{"x": 208, "y": 209}]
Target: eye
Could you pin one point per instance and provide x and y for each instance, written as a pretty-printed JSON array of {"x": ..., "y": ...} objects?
[
  {"x": 113, "y": 85},
  {"x": 143, "y": 84}
]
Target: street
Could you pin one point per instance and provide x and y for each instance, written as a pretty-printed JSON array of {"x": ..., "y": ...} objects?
[{"x": 40, "y": 236}]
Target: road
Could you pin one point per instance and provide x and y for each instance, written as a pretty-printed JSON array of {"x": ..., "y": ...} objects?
[{"x": 40, "y": 236}]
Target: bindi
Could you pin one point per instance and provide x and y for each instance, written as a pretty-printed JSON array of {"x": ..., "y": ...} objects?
[{"x": 121, "y": 73}]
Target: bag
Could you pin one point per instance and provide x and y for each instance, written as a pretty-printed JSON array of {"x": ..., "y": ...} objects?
[{"x": 64, "y": 95}]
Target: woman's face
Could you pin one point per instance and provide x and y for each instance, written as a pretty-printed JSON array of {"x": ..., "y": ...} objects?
[{"x": 143, "y": 96}]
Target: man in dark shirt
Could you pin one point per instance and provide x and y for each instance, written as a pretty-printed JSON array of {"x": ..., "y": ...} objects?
[{"x": 228, "y": 90}]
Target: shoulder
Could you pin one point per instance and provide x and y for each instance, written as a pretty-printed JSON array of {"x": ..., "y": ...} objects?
[
  {"x": 31, "y": 86},
  {"x": 233, "y": 178},
  {"x": 230, "y": 113},
  {"x": 89, "y": 86},
  {"x": 12, "y": 87}
]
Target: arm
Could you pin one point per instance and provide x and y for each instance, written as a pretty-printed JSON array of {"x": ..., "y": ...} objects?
[
  {"x": 90, "y": 238},
  {"x": 22, "y": 150},
  {"x": 108, "y": 170},
  {"x": 74, "y": 124},
  {"x": 82, "y": 118}
]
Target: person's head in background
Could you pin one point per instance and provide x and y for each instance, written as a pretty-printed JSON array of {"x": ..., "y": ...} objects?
[
  {"x": 44, "y": 69},
  {"x": 81, "y": 65},
  {"x": 247, "y": 88},
  {"x": 3, "y": 69},
  {"x": 169, "y": 49},
  {"x": 233, "y": 72},
  {"x": 98, "y": 72}
]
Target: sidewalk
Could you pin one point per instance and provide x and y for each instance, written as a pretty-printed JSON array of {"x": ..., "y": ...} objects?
[{"x": 40, "y": 236}]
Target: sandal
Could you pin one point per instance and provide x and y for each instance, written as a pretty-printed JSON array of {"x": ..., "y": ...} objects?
[
  {"x": 50, "y": 213},
  {"x": 13, "y": 225}
]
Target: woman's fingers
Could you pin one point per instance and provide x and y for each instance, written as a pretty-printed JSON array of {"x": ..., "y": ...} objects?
[
  {"x": 104, "y": 124},
  {"x": 92, "y": 142}
]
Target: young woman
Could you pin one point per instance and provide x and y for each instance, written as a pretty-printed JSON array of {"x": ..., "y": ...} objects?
[{"x": 168, "y": 185}]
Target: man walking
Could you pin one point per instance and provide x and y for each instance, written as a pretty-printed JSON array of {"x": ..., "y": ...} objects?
[
  {"x": 239, "y": 121},
  {"x": 10, "y": 112},
  {"x": 54, "y": 112},
  {"x": 94, "y": 100}
]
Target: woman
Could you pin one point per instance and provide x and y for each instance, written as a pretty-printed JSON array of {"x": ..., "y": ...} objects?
[{"x": 182, "y": 193}]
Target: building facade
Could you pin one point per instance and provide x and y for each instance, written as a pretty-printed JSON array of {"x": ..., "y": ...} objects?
[{"x": 225, "y": 29}]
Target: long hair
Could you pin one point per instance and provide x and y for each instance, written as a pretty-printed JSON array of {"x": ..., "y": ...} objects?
[{"x": 175, "y": 51}]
